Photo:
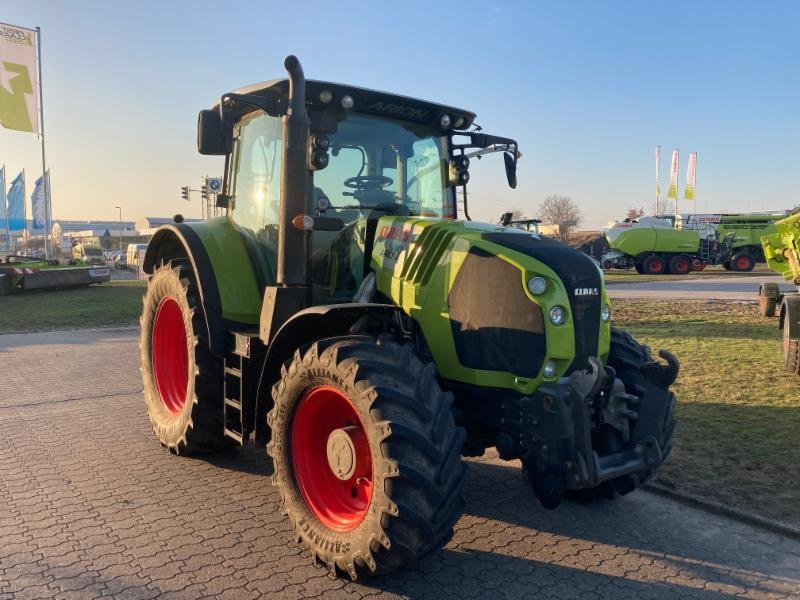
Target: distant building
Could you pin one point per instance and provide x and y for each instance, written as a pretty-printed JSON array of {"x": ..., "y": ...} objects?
[
  {"x": 148, "y": 223},
  {"x": 106, "y": 234}
]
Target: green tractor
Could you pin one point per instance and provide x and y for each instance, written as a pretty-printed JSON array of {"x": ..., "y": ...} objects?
[{"x": 343, "y": 317}]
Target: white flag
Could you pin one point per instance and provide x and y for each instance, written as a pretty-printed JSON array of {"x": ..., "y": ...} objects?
[
  {"x": 658, "y": 171},
  {"x": 19, "y": 97},
  {"x": 673, "y": 176},
  {"x": 691, "y": 177}
]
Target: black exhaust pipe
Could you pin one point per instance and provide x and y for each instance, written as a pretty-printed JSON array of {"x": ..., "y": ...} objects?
[{"x": 294, "y": 180}]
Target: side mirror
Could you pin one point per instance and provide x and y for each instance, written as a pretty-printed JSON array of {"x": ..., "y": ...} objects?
[
  {"x": 214, "y": 132},
  {"x": 511, "y": 169}
]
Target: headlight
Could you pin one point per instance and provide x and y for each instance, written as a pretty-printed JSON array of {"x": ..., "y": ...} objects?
[
  {"x": 557, "y": 315},
  {"x": 605, "y": 313},
  {"x": 537, "y": 286},
  {"x": 549, "y": 368}
]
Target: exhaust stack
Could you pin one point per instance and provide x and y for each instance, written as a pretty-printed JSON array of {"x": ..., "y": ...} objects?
[{"x": 294, "y": 180}]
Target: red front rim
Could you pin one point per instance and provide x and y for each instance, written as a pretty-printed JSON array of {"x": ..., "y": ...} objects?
[
  {"x": 743, "y": 263},
  {"x": 170, "y": 355},
  {"x": 682, "y": 265},
  {"x": 656, "y": 266},
  {"x": 323, "y": 417}
]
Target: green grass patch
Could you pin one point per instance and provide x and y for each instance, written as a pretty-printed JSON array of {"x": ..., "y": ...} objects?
[
  {"x": 112, "y": 304},
  {"x": 632, "y": 276},
  {"x": 738, "y": 438}
]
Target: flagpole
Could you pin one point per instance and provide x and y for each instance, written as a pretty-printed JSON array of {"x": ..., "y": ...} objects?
[
  {"x": 24, "y": 214},
  {"x": 5, "y": 210},
  {"x": 45, "y": 183}
]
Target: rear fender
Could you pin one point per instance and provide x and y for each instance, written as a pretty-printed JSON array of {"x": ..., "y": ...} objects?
[
  {"x": 304, "y": 328},
  {"x": 223, "y": 271}
]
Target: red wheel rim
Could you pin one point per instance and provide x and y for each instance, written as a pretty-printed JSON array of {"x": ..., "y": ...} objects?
[
  {"x": 170, "y": 355},
  {"x": 324, "y": 418},
  {"x": 742, "y": 263},
  {"x": 656, "y": 265},
  {"x": 682, "y": 265}
]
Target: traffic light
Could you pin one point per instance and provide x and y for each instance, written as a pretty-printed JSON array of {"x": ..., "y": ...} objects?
[
  {"x": 185, "y": 192},
  {"x": 204, "y": 192}
]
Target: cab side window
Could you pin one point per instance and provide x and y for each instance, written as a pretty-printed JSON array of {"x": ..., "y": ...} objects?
[{"x": 257, "y": 172}]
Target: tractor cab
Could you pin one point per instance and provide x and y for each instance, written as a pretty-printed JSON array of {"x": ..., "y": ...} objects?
[{"x": 354, "y": 156}]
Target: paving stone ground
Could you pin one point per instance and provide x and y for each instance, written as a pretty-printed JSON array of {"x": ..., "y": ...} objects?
[{"x": 91, "y": 506}]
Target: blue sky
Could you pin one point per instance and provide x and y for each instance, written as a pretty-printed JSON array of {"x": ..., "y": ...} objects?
[{"x": 588, "y": 89}]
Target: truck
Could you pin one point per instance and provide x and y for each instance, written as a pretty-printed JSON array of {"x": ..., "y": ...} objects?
[
  {"x": 658, "y": 245},
  {"x": 348, "y": 315},
  {"x": 87, "y": 254},
  {"x": 782, "y": 255}
]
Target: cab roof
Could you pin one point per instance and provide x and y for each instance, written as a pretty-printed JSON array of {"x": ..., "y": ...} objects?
[{"x": 328, "y": 95}]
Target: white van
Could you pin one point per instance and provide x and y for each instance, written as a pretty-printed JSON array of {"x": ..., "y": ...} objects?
[{"x": 133, "y": 255}]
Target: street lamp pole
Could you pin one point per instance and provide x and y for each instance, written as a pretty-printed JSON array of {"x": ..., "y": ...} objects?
[{"x": 120, "y": 227}]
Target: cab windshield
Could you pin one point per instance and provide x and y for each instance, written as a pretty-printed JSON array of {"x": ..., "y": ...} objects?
[{"x": 379, "y": 163}]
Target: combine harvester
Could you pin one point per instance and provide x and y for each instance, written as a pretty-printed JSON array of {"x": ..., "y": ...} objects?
[
  {"x": 782, "y": 251},
  {"x": 24, "y": 273},
  {"x": 679, "y": 245}
]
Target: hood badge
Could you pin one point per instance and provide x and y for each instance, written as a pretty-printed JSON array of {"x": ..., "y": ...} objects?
[{"x": 586, "y": 291}]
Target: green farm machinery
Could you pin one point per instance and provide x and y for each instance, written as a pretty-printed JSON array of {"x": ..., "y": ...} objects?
[
  {"x": 19, "y": 273},
  {"x": 655, "y": 245},
  {"x": 342, "y": 316},
  {"x": 782, "y": 251}
]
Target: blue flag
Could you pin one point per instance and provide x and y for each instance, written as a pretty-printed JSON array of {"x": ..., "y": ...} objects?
[
  {"x": 16, "y": 204},
  {"x": 38, "y": 205}
]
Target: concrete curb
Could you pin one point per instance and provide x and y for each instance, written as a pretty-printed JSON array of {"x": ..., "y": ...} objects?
[
  {"x": 112, "y": 328},
  {"x": 726, "y": 511}
]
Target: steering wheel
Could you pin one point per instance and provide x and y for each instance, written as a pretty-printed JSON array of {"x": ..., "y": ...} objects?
[{"x": 361, "y": 183}]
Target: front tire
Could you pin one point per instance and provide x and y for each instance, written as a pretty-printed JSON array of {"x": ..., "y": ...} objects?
[
  {"x": 182, "y": 380},
  {"x": 650, "y": 382},
  {"x": 366, "y": 454}
]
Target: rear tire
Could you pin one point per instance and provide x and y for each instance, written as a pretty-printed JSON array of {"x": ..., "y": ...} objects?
[
  {"x": 768, "y": 299},
  {"x": 182, "y": 380},
  {"x": 639, "y": 268},
  {"x": 680, "y": 264},
  {"x": 402, "y": 470},
  {"x": 727, "y": 265},
  {"x": 654, "y": 265}
]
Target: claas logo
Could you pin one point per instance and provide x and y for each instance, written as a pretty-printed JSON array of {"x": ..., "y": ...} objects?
[{"x": 16, "y": 36}]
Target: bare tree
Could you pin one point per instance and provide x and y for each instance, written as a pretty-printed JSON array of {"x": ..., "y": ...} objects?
[
  {"x": 634, "y": 213},
  {"x": 516, "y": 213},
  {"x": 665, "y": 207},
  {"x": 562, "y": 212}
]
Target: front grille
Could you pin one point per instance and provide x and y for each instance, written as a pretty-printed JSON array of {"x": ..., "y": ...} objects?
[
  {"x": 576, "y": 271},
  {"x": 495, "y": 325}
]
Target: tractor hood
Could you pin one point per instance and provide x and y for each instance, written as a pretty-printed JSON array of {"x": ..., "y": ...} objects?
[{"x": 470, "y": 288}]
